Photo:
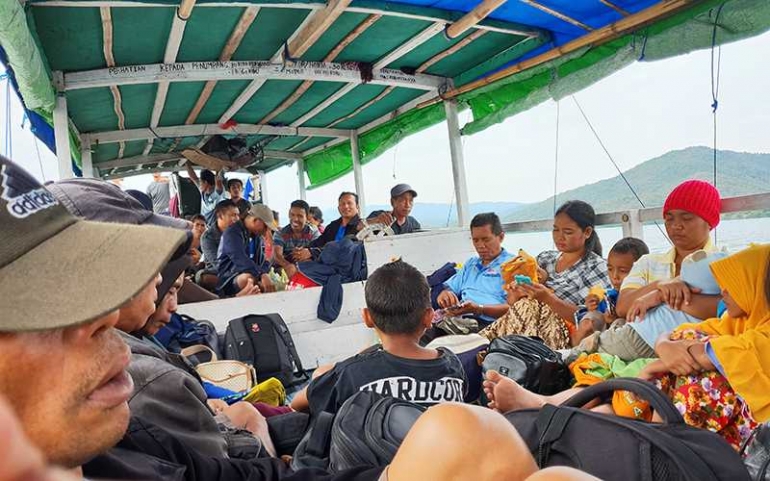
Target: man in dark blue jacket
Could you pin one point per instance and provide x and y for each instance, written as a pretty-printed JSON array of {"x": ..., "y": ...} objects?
[{"x": 243, "y": 265}]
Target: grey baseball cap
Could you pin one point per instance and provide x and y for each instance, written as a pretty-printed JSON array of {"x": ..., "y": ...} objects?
[
  {"x": 102, "y": 201},
  {"x": 57, "y": 270},
  {"x": 265, "y": 214},
  {"x": 402, "y": 189}
]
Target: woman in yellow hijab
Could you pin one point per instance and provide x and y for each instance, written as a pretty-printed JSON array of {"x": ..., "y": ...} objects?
[{"x": 718, "y": 371}]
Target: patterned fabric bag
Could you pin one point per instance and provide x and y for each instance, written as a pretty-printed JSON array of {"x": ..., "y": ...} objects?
[{"x": 529, "y": 317}]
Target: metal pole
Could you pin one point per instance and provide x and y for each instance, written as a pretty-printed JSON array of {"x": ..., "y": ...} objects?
[
  {"x": 301, "y": 178},
  {"x": 62, "y": 130},
  {"x": 632, "y": 225},
  {"x": 358, "y": 174},
  {"x": 87, "y": 166},
  {"x": 458, "y": 163}
]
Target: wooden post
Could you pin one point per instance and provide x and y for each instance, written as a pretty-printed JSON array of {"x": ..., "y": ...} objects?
[
  {"x": 632, "y": 224},
  {"x": 61, "y": 129},
  {"x": 358, "y": 174},
  {"x": 86, "y": 164},
  {"x": 301, "y": 177},
  {"x": 458, "y": 163}
]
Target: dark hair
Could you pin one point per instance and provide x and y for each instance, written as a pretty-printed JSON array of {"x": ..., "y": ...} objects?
[
  {"x": 302, "y": 205},
  {"x": 397, "y": 296},
  {"x": 276, "y": 216},
  {"x": 208, "y": 177},
  {"x": 234, "y": 181},
  {"x": 222, "y": 206},
  {"x": 355, "y": 196},
  {"x": 631, "y": 245},
  {"x": 198, "y": 217},
  {"x": 316, "y": 212},
  {"x": 584, "y": 216},
  {"x": 488, "y": 218}
]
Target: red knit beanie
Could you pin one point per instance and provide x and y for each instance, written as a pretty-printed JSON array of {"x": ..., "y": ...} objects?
[{"x": 697, "y": 197}]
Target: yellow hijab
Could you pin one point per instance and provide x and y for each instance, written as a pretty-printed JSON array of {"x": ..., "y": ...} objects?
[{"x": 742, "y": 344}]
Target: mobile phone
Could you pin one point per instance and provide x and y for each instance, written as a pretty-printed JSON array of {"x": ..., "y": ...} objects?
[{"x": 522, "y": 280}]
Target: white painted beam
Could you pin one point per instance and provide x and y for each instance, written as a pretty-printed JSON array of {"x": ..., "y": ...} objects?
[
  {"x": 244, "y": 70},
  {"x": 263, "y": 186},
  {"x": 301, "y": 179},
  {"x": 324, "y": 105},
  {"x": 196, "y": 130},
  {"x": 458, "y": 164},
  {"x": 358, "y": 173},
  {"x": 62, "y": 136},
  {"x": 86, "y": 162}
]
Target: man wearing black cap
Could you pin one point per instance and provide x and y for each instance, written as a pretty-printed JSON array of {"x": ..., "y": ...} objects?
[{"x": 402, "y": 200}]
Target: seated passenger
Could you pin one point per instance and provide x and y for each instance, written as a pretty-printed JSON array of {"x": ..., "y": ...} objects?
[
  {"x": 567, "y": 274},
  {"x": 690, "y": 212},
  {"x": 70, "y": 393},
  {"x": 347, "y": 224},
  {"x": 713, "y": 371},
  {"x": 477, "y": 288},
  {"x": 235, "y": 190},
  {"x": 315, "y": 218},
  {"x": 226, "y": 214},
  {"x": 241, "y": 270},
  {"x": 402, "y": 200},
  {"x": 198, "y": 229},
  {"x": 398, "y": 309},
  {"x": 290, "y": 242},
  {"x": 636, "y": 339}
]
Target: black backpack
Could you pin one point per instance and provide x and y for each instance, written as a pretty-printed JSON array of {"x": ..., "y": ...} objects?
[
  {"x": 617, "y": 448},
  {"x": 189, "y": 197},
  {"x": 529, "y": 362},
  {"x": 367, "y": 431},
  {"x": 265, "y": 342}
]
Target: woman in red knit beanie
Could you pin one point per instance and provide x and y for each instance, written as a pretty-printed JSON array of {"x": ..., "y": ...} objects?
[{"x": 690, "y": 212}]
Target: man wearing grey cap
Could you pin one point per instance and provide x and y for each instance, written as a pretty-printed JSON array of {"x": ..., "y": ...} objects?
[
  {"x": 402, "y": 200},
  {"x": 239, "y": 271}
]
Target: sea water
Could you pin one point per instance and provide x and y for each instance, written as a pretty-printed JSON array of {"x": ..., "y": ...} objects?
[{"x": 731, "y": 234}]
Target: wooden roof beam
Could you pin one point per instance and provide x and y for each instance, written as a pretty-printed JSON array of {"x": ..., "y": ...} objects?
[
  {"x": 598, "y": 37},
  {"x": 208, "y": 129},
  {"x": 236, "y": 37},
  {"x": 244, "y": 70},
  {"x": 391, "y": 57},
  {"x": 618, "y": 9},
  {"x": 117, "y": 101},
  {"x": 172, "y": 50},
  {"x": 330, "y": 57},
  {"x": 472, "y": 18},
  {"x": 315, "y": 25},
  {"x": 557, "y": 14}
]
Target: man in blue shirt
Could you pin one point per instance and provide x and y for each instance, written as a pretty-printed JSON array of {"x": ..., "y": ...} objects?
[
  {"x": 212, "y": 189},
  {"x": 477, "y": 288}
]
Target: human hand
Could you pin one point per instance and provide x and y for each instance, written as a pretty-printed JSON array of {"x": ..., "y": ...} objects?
[
  {"x": 447, "y": 299},
  {"x": 267, "y": 283},
  {"x": 301, "y": 255},
  {"x": 641, "y": 305},
  {"x": 467, "y": 307},
  {"x": 676, "y": 358},
  {"x": 196, "y": 256},
  {"x": 652, "y": 369},
  {"x": 385, "y": 218},
  {"x": 676, "y": 293},
  {"x": 542, "y": 275},
  {"x": 290, "y": 270},
  {"x": 536, "y": 291},
  {"x": 592, "y": 302},
  {"x": 513, "y": 293}
]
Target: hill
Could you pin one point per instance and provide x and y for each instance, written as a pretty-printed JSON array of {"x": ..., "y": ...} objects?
[
  {"x": 434, "y": 215},
  {"x": 738, "y": 173}
]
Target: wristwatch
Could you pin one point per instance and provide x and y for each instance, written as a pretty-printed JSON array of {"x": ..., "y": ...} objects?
[{"x": 480, "y": 311}]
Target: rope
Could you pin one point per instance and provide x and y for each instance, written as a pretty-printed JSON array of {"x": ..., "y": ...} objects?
[
  {"x": 609, "y": 156},
  {"x": 716, "y": 69},
  {"x": 556, "y": 157}
]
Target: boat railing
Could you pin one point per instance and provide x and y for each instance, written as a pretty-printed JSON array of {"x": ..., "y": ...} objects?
[{"x": 633, "y": 220}]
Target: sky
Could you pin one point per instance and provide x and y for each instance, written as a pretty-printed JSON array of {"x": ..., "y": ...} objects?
[{"x": 640, "y": 112}]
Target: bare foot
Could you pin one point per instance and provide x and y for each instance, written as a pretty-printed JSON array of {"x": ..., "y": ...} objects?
[
  {"x": 250, "y": 289},
  {"x": 584, "y": 329},
  {"x": 506, "y": 395}
]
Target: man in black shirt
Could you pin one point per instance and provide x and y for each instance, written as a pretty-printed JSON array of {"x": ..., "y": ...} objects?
[
  {"x": 398, "y": 309},
  {"x": 402, "y": 200}
]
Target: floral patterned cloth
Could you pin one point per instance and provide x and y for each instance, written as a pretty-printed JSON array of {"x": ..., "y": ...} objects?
[{"x": 707, "y": 401}]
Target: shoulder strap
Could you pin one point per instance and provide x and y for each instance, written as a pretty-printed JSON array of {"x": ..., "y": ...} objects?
[
  {"x": 320, "y": 435},
  {"x": 283, "y": 331},
  {"x": 197, "y": 349}
]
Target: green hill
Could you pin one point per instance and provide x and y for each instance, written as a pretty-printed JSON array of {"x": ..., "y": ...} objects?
[{"x": 738, "y": 173}]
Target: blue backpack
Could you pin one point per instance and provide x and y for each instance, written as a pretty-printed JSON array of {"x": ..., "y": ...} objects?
[{"x": 184, "y": 331}]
